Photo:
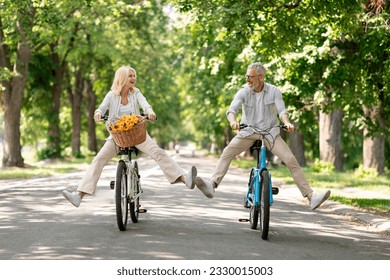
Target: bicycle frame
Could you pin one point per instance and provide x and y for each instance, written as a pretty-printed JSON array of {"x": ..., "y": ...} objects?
[
  {"x": 130, "y": 169},
  {"x": 254, "y": 199},
  {"x": 127, "y": 188}
]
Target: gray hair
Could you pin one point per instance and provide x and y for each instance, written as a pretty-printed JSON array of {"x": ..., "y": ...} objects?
[{"x": 260, "y": 69}]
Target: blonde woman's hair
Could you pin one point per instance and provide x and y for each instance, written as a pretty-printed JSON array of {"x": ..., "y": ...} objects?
[{"x": 120, "y": 78}]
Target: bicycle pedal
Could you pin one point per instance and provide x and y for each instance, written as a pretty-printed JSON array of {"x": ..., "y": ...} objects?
[
  {"x": 275, "y": 190},
  {"x": 246, "y": 203},
  {"x": 142, "y": 210},
  {"x": 243, "y": 220},
  {"x": 112, "y": 185}
]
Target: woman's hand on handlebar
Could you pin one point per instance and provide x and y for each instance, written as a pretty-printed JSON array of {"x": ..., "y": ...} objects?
[
  {"x": 97, "y": 117},
  {"x": 151, "y": 114}
]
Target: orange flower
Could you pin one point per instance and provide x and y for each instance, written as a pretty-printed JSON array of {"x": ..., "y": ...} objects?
[{"x": 125, "y": 123}]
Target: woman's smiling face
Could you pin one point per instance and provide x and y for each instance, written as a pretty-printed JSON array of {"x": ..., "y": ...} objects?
[{"x": 131, "y": 79}]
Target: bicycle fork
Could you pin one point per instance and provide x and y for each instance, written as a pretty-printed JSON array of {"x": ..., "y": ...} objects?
[
  {"x": 253, "y": 196},
  {"x": 129, "y": 169}
]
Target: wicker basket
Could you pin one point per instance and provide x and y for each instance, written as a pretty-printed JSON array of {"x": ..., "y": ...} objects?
[{"x": 131, "y": 137}]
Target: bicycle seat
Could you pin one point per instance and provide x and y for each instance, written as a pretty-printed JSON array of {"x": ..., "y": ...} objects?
[
  {"x": 256, "y": 146},
  {"x": 127, "y": 151}
]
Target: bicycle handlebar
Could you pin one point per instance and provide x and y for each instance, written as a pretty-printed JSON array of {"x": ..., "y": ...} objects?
[
  {"x": 105, "y": 118},
  {"x": 267, "y": 131}
]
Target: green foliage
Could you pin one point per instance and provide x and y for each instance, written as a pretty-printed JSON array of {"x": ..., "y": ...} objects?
[
  {"x": 191, "y": 57},
  {"x": 98, "y": 37},
  {"x": 366, "y": 173},
  {"x": 335, "y": 56},
  {"x": 323, "y": 167},
  {"x": 47, "y": 153}
]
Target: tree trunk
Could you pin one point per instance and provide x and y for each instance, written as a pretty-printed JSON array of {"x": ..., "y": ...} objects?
[
  {"x": 374, "y": 144},
  {"x": 297, "y": 147},
  {"x": 374, "y": 153},
  {"x": 12, "y": 96},
  {"x": 330, "y": 138},
  {"x": 54, "y": 133},
  {"x": 75, "y": 99},
  {"x": 91, "y": 106}
]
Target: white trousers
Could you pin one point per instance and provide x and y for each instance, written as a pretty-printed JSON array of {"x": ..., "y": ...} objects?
[{"x": 170, "y": 168}]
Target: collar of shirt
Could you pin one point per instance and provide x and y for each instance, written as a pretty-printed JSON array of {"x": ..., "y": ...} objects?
[{"x": 264, "y": 90}]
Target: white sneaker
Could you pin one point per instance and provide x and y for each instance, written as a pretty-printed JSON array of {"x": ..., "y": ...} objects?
[
  {"x": 205, "y": 186},
  {"x": 189, "y": 179},
  {"x": 72, "y": 197},
  {"x": 318, "y": 198}
]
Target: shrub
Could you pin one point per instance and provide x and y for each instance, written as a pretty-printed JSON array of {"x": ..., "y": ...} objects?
[
  {"x": 366, "y": 173},
  {"x": 323, "y": 167}
]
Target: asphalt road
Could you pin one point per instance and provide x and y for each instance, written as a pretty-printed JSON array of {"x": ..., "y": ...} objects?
[{"x": 37, "y": 223}]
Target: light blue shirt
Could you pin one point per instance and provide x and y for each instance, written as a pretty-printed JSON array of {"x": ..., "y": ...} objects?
[{"x": 259, "y": 109}]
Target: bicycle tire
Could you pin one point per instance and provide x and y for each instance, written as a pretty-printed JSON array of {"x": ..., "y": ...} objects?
[
  {"x": 134, "y": 204},
  {"x": 254, "y": 210},
  {"x": 121, "y": 200},
  {"x": 265, "y": 204}
]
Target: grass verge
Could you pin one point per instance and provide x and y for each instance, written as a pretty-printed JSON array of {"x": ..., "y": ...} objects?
[
  {"x": 43, "y": 168},
  {"x": 347, "y": 188}
]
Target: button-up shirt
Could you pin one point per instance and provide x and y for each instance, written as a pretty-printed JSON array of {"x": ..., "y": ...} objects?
[
  {"x": 259, "y": 109},
  {"x": 112, "y": 103}
]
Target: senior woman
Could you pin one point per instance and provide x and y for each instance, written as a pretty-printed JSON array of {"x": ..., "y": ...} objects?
[{"x": 125, "y": 98}]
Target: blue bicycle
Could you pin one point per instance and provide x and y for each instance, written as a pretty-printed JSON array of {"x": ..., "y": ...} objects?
[{"x": 260, "y": 193}]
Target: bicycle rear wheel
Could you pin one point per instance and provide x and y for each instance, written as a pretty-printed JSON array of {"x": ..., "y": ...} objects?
[
  {"x": 134, "y": 203},
  {"x": 254, "y": 210},
  {"x": 121, "y": 201},
  {"x": 264, "y": 204}
]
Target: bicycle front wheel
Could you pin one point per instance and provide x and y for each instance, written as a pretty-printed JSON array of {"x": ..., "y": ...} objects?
[
  {"x": 264, "y": 204},
  {"x": 121, "y": 201},
  {"x": 135, "y": 189},
  {"x": 254, "y": 210}
]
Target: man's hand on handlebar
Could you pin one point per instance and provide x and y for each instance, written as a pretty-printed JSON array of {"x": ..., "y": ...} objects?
[
  {"x": 235, "y": 125},
  {"x": 289, "y": 127}
]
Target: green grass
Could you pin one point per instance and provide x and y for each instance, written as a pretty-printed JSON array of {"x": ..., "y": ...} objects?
[
  {"x": 339, "y": 183},
  {"x": 372, "y": 204},
  {"x": 40, "y": 169}
]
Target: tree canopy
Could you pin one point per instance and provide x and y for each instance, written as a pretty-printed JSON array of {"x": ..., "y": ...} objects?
[{"x": 191, "y": 57}]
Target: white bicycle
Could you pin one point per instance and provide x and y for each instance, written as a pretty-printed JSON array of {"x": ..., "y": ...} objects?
[{"x": 127, "y": 187}]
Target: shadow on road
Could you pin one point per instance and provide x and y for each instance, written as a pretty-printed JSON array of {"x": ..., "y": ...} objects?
[{"x": 37, "y": 223}]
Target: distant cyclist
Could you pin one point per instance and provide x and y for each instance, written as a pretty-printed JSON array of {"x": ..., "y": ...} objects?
[
  {"x": 261, "y": 104},
  {"x": 125, "y": 98}
]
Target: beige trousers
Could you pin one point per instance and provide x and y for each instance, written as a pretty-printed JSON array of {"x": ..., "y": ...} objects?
[
  {"x": 280, "y": 149},
  {"x": 170, "y": 168}
]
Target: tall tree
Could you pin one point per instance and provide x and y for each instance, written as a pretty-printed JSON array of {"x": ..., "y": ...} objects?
[
  {"x": 319, "y": 59},
  {"x": 374, "y": 48},
  {"x": 15, "y": 52}
]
